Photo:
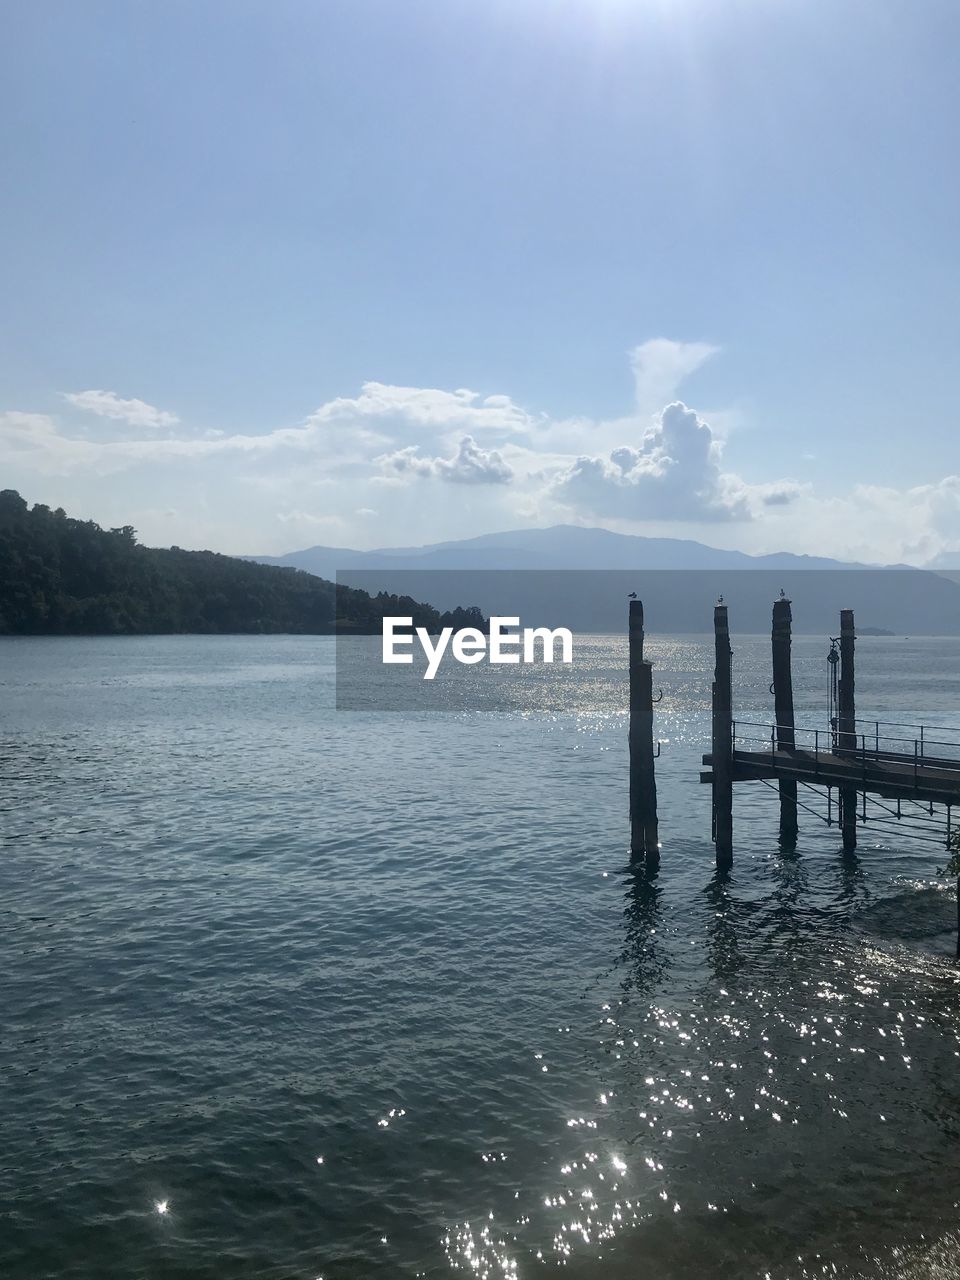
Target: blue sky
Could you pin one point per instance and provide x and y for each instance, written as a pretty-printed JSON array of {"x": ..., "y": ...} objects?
[{"x": 223, "y": 221}]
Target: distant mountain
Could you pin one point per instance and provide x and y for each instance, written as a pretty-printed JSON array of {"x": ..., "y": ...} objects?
[
  {"x": 561, "y": 546},
  {"x": 678, "y": 581}
]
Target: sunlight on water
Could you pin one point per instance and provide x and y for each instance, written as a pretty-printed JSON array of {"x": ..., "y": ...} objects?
[
  {"x": 353, "y": 1003},
  {"x": 829, "y": 1054}
]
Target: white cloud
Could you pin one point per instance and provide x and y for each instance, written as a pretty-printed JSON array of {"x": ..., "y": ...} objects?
[
  {"x": 872, "y": 524},
  {"x": 642, "y": 472},
  {"x": 107, "y": 404},
  {"x": 38, "y": 439},
  {"x": 354, "y": 431},
  {"x": 661, "y": 365},
  {"x": 308, "y": 519},
  {"x": 469, "y": 465},
  {"x": 780, "y": 494},
  {"x": 34, "y": 440},
  {"x": 919, "y": 523},
  {"x": 674, "y": 474},
  {"x": 429, "y": 408}
]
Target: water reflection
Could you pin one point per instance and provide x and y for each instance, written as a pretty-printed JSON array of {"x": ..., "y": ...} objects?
[
  {"x": 853, "y": 890},
  {"x": 216, "y": 974},
  {"x": 643, "y": 956},
  {"x": 723, "y": 949}
]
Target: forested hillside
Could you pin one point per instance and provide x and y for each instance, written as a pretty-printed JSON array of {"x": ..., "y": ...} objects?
[{"x": 60, "y": 576}]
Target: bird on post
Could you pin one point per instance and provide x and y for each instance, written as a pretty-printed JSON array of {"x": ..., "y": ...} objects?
[
  {"x": 631, "y": 595},
  {"x": 719, "y": 599}
]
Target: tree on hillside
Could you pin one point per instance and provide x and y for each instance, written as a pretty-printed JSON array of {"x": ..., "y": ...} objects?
[{"x": 60, "y": 576}]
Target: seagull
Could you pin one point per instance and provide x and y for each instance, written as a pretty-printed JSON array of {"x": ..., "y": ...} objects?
[
  {"x": 719, "y": 599},
  {"x": 783, "y": 594},
  {"x": 632, "y": 595}
]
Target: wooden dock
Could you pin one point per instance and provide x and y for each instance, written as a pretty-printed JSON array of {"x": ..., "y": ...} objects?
[
  {"x": 857, "y": 759},
  {"x": 861, "y": 761},
  {"x": 869, "y": 773},
  {"x": 890, "y": 775}
]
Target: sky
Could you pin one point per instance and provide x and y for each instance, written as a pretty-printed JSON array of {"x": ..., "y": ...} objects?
[{"x": 367, "y": 273}]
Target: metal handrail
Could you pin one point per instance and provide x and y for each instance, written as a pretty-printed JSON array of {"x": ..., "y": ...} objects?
[
  {"x": 922, "y": 736},
  {"x": 918, "y": 754},
  {"x": 766, "y": 724},
  {"x": 925, "y": 742},
  {"x": 909, "y": 724}
]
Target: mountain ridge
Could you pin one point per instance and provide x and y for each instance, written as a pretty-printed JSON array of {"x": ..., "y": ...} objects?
[
  {"x": 561, "y": 546},
  {"x": 677, "y": 579}
]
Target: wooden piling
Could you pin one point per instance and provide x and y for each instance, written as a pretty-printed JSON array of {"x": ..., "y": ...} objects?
[
  {"x": 847, "y": 727},
  {"x": 783, "y": 713},
  {"x": 644, "y": 835},
  {"x": 722, "y": 757},
  {"x": 636, "y": 632}
]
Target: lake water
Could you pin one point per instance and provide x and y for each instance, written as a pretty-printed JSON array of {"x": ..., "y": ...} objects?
[{"x": 292, "y": 992}]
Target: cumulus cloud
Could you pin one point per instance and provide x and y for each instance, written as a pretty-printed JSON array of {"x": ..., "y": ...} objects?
[
  {"x": 359, "y": 431},
  {"x": 659, "y": 368},
  {"x": 389, "y": 435},
  {"x": 430, "y": 408},
  {"x": 779, "y": 495},
  {"x": 107, "y": 404},
  {"x": 643, "y": 471},
  {"x": 674, "y": 474},
  {"x": 469, "y": 465},
  {"x": 343, "y": 432}
]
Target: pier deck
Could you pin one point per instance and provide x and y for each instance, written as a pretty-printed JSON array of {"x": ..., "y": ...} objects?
[
  {"x": 897, "y": 774},
  {"x": 892, "y": 775}
]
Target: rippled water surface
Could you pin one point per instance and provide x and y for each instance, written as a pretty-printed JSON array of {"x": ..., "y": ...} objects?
[{"x": 293, "y": 992}]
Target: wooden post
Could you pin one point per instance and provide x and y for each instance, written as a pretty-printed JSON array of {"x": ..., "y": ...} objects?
[
  {"x": 847, "y": 727},
  {"x": 783, "y": 713},
  {"x": 644, "y": 837},
  {"x": 722, "y": 742},
  {"x": 636, "y": 632}
]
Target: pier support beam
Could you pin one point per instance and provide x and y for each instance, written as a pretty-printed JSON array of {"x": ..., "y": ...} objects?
[
  {"x": 783, "y": 714},
  {"x": 722, "y": 762},
  {"x": 847, "y": 727},
  {"x": 644, "y": 835}
]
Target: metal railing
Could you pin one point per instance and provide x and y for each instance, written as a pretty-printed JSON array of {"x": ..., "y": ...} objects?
[
  {"x": 920, "y": 737},
  {"x": 925, "y": 754}
]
